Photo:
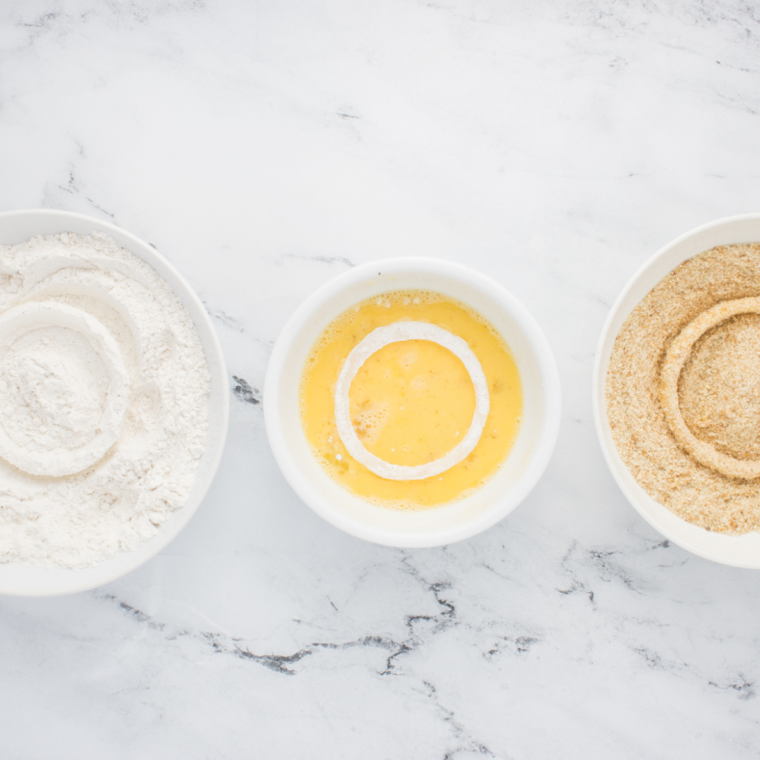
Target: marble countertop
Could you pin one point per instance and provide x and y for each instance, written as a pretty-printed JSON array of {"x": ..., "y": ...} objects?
[{"x": 265, "y": 147}]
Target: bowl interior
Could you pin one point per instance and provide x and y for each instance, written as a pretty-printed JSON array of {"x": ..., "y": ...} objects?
[
  {"x": 740, "y": 551},
  {"x": 23, "y": 580},
  {"x": 460, "y": 519}
]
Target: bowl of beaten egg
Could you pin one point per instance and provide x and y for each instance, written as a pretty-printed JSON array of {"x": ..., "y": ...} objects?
[{"x": 412, "y": 402}]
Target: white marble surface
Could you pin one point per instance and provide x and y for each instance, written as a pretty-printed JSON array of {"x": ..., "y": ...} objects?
[{"x": 264, "y": 147}]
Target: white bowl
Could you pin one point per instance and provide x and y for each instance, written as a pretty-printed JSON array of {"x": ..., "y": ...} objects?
[
  {"x": 25, "y": 580},
  {"x": 460, "y": 519},
  {"x": 739, "y": 551}
]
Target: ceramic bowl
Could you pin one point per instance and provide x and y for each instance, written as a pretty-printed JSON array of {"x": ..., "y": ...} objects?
[
  {"x": 740, "y": 551},
  {"x": 457, "y": 520},
  {"x": 24, "y": 580}
]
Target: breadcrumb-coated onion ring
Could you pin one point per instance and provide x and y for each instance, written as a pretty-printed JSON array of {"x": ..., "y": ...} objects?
[{"x": 675, "y": 358}]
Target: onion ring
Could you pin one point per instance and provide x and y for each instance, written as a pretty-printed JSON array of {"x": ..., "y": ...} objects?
[
  {"x": 62, "y": 461},
  {"x": 395, "y": 333},
  {"x": 675, "y": 358}
]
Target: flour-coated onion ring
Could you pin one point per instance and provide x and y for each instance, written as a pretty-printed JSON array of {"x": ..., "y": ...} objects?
[{"x": 60, "y": 462}]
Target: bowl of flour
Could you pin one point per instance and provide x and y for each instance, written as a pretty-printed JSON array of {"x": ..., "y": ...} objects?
[{"x": 113, "y": 402}]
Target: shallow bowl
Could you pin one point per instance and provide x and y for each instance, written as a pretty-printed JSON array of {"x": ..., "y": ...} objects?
[
  {"x": 739, "y": 551},
  {"x": 25, "y": 580},
  {"x": 457, "y": 520}
]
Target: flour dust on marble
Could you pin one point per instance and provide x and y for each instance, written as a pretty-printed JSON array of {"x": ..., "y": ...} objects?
[{"x": 103, "y": 401}]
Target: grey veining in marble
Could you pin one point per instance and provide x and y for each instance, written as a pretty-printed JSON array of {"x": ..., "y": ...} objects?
[{"x": 265, "y": 147}]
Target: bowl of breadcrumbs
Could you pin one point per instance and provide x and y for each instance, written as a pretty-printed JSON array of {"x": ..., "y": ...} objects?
[{"x": 677, "y": 391}]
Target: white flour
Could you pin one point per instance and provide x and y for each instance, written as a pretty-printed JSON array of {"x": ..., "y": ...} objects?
[{"x": 103, "y": 401}]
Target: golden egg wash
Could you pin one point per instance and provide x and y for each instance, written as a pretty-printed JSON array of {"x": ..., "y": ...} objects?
[{"x": 411, "y": 402}]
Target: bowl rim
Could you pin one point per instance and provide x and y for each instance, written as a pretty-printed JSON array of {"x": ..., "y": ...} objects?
[
  {"x": 599, "y": 383},
  {"x": 213, "y": 354},
  {"x": 540, "y": 455}
]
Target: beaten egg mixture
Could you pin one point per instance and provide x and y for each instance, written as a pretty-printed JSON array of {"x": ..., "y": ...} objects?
[{"x": 412, "y": 401}]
